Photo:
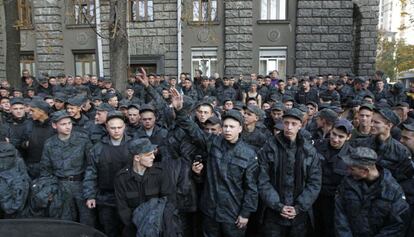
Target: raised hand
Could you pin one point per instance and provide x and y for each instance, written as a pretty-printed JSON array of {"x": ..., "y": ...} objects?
[
  {"x": 176, "y": 98},
  {"x": 142, "y": 77}
]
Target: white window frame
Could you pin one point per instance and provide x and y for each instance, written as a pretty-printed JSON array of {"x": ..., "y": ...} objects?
[
  {"x": 84, "y": 12},
  {"x": 209, "y": 55},
  {"x": 30, "y": 65},
  {"x": 273, "y": 9},
  {"x": 207, "y": 12},
  {"x": 274, "y": 56},
  {"x": 140, "y": 10},
  {"x": 91, "y": 66}
]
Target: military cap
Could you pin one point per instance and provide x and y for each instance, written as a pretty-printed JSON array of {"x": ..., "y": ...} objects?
[
  {"x": 42, "y": 79},
  {"x": 293, "y": 113},
  {"x": 17, "y": 89},
  {"x": 17, "y": 100},
  {"x": 204, "y": 102},
  {"x": 345, "y": 124},
  {"x": 107, "y": 80},
  {"x": 204, "y": 78},
  {"x": 146, "y": 108},
  {"x": 129, "y": 87},
  {"x": 234, "y": 114},
  {"x": 359, "y": 80},
  {"x": 337, "y": 109},
  {"x": 141, "y": 146},
  {"x": 287, "y": 98},
  {"x": 278, "y": 106},
  {"x": 254, "y": 109},
  {"x": 104, "y": 107},
  {"x": 97, "y": 97},
  {"x": 7, "y": 150},
  {"x": 213, "y": 120},
  {"x": 123, "y": 104},
  {"x": 369, "y": 95},
  {"x": 339, "y": 83},
  {"x": 302, "y": 108},
  {"x": 389, "y": 115},
  {"x": 40, "y": 104},
  {"x": 328, "y": 114},
  {"x": 114, "y": 114},
  {"x": 109, "y": 96},
  {"x": 227, "y": 99},
  {"x": 76, "y": 101},
  {"x": 367, "y": 106},
  {"x": 314, "y": 104},
  {"x": 332, "y": 82},
  {"x": 408, "y": 126},
  {"x": 60, "y": 97},
  {"x": 61, "y": 75},
  {"x": 133, "y": 105},
  {"x": 398, "y": 86},
  {"x": 303, "y": 79},
  {"x": 402, "y": 105},
  {"x": 58, "y": 115},
  {"x": 30, "y": 88},
  {"x": 238, "y": 105},
  {"x": 360, "y": 156}
]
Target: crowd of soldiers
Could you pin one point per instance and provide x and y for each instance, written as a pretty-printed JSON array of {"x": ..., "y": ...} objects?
[{"x": 326, "y": 155}]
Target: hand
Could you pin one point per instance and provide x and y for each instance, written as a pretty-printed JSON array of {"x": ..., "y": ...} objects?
[
  {"x": 176, "y": 99},
  {"x": 143, "y": 78},
  {"x": 288, "y": 212},
  {"x": 91, "y": 203},
  {"x": 241, "y": 222},
  {"x": 197, "y": 167}
]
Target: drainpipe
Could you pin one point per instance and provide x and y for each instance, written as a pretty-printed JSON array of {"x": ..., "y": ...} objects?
[
  {"x": 99, "y": 38},
  {"x": 179, "y": 40}
]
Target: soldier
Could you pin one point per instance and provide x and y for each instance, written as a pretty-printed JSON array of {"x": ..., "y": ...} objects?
[
  {"x": 139, "y": 181},
  {"x": 96, "y": 128},
  {"x": 18, "y": 123},
  {"x": 134, "y": 119},
  {"x": 14, "y": 181},
  {"x": 254, "y": 134},
  {"x": 105, "y": 159},
  {"x": 369, "y": 201},
  {"x": 363, "y": 130},
  {"x": 40, "y": 131},
  {"x": 74, "y": 109},
  {"x": 306, "y": 93},
  {"x": 289, "y": 179},
  {"x": 333, "y": 171},
  {"x": 149, "y": 128},
  {"x": 64, "y": 156},
  {"x": 213, "y": 125},
  {"x": 230, "y": 191},
  {"x": 324, "y": 123}
]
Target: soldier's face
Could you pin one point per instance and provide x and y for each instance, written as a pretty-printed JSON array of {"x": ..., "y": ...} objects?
[
  {"x": 100, "y": 116},
  {"x": 311, "y": 110},
  {"x": 250, "y": 117},
  {"x": 63, "y": 126},
  {"x": 276, "y": 114},
  {"x": 291, "y": 127},
  {"x": 288, "y": 104},
  {"x": 203, "y": 113},
  {"x": 358, "y": 173},
  {"x": 113, "y": 102},
  {"x": 407, "y": 138},
  {"x": 213, "y": 129},
  {"x": 228, "y": 105},
  {"x": 115, "y": 128},
  {"x": 133, "y": 116},
  {"x": 17, "y": 110},
  {"x": 73, "y": 111},
  {"x": 146, "y": 160},
  {"x": 379, "y": 126},
  {"x": 365, "y": 117},
  {"x": 148, "y": 120},
  {"x": 231, "y": 130},
  {"x": 338, "y": 138},
  {"x": 226, "y": 82}
]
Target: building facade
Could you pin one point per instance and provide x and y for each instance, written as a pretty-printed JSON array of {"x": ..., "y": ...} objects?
[{"x": 230, "y": 37}]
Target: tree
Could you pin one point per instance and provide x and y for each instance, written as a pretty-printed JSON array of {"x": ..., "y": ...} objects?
[
  {"x": 118, "y": 43},
  {"x": 12, "y": 42},
  {"x": 385, "y": 55}
]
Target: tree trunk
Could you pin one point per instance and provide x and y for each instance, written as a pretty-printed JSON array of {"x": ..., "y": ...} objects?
[
  {"x": 12, "y": 43},
  {"x": 118, "y": 43}
]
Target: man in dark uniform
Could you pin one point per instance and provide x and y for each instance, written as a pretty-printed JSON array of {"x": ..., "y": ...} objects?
[
  {"x": 333, "y": 171},
  {"x": 64, "y": 156},
  {"x": 369, "y": 202},
  {"x": 254, "y": 134},
  {"x": 149, "y": 128},
  {"x": 140, "y": 181},
  {"x": 289, "y": 179},
  {"x": 306, "y": 93},
  {"x": 96, "y": 128},
  {"x": 365, "y": 113},
  {"x": 230, "y": 188},
  {"x": 74, "y": 109},
  {"x": 18, "y": 123},
  {"x": 105, "y": 159}
]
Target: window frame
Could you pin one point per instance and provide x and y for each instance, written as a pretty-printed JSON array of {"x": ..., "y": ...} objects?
[
  {"x": 25, "y": 16},
  {"x": 268, "y": 51},
  {"x": 31, "y": 63},
  {"x": 200, "y": 11},
  {"x": 269, "y": 10},
  {"x": 93, "y": 63},
  {"x": 139, "y": 18},
  {"x": 205, "y": 53},
  {"x": 78, "y": 17}
]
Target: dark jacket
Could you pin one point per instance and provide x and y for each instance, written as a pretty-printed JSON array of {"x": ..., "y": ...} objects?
[
  {"x": 104, "y": 161},
  {"x": 257, "y": 138},
  {"x": 38, "y": 134},
  {"x": 304, "y": 177},
  {"x": 131, "y": 189},
  {"x": 65, "y": 158},
  {"x": 375, "y": 210},
  {"x": 230, "y": 188},
  {"x": 19, "y": 129},
  {"x": 303, "y": 97},
  {"x": 157, "y": 137}
]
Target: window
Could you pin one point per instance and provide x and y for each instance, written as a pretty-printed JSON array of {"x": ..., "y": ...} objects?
[
  {"x": 84, "y": 12},
  {"x": 204, "y": 59},
  {"x": 204, "y": 10},
  {"x": 273, "y": 58},
  {"x": 141, "y": 10},
  {"x": 273, "y": 10},
  {"x": 25, "y": 14},
  {"x": 27, "y": 62},
  {"x": 85, "y": 63}
]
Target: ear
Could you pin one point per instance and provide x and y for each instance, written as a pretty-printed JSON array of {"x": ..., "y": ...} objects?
[
  {"x": 137, "y": 158},
  {"x": 54, "y": 125}
]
